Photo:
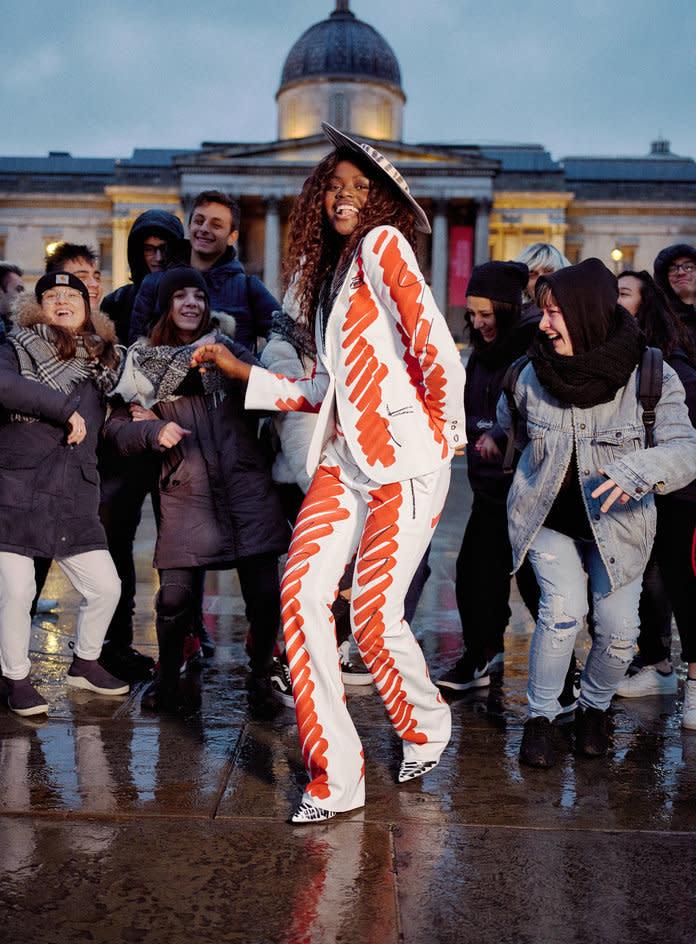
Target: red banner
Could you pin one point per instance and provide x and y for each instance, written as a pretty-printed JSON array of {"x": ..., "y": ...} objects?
[{"x": 461, "y": 243}]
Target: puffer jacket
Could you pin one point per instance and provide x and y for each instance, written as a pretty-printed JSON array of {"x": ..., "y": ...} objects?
[
  {"x": 610, "y": 436},
  {"x": 49, "y": 490},
  {"x": 118, "y": 305},
  {"x": 230, "y": 290},
  {"x": 217, "y": 500}
]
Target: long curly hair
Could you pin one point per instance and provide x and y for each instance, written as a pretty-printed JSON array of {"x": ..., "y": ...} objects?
[
  {"x": 662, "y": 327},
  {"x": 316, "y": 251}
]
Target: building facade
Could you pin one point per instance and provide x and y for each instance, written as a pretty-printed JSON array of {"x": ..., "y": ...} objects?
[{"x": 483, "y": 201}]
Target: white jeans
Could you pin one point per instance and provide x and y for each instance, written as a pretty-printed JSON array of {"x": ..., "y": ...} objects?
[{"x": 92, "y": 574}]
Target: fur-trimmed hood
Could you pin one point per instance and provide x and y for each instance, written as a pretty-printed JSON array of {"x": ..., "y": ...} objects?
[{"x": 226, "y": 323}]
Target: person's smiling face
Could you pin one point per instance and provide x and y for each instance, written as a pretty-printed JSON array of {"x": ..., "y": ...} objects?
[
  {"x": 345, "y": 196},
  {"x": 483, "y": 317},
  {"x": 556, "y": 330},
  {"x": 65, "y": 307}
]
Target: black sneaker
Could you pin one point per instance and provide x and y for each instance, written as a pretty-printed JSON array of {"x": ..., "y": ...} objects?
[
  {"x": 353, "y": 672},
  {"x": 591, "y": 737},
  {"x": 281, "y": 685},
  {"x": 126, "y": 663},
  {"x": 207, "y": 642},
  {"x": 465, "y": 674},
  {"x": 537, "y": 749}
]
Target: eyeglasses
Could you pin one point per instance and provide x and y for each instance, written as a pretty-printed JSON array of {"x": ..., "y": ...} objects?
[
  {"x": 685, "y": 267},
  {"x": 58, "y": 294},
  {"x": 155, "y": 250}
]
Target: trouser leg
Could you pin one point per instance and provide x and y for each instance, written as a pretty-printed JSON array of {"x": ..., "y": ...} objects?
[
  {"x": 676, "y": 551},
  {"x": 400, "y": 521},
  {"x": 324, "y": 540},
  {"x": 94, "y": 576},
  {"x": 175, "y": 615},
  {"x": 17, "y": 589},
  {"x": 559, "y": 570},
  {"x": 616, "y": 631},
  {"x": 483, "y": 580},
  {"x": 260, "y": 585}
]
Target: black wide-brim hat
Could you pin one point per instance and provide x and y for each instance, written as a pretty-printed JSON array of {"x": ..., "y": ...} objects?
[{"x": 341, "y": 140}]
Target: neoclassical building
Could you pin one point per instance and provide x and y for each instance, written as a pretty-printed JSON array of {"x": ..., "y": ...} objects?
[{"x": 483, "y": 201}]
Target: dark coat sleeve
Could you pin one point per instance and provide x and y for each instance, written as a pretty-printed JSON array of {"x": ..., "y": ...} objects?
[
  {"x": 132, "y": 438},
  {"x": 20, "y": 395},
  {"x": 144, "y": 307},
  {"x": 262, "y": 305}
]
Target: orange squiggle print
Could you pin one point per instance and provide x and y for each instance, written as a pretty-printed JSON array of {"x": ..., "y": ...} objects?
[
  {"x": 425, "y": 372},
  {"x": 374, "y": 572},
  {"x": 364, "y": 379},
  {"x": 301, "y": 403},
  {"x": 321, "y": 509}
]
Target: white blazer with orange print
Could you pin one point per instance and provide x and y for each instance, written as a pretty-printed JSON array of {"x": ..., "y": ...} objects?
[{"x": 388, "y": 366}]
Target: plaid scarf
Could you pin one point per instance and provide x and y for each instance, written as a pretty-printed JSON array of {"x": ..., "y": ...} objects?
[
  {"x": 38, "y": 361},
  {"x": 155, "y": 374}
]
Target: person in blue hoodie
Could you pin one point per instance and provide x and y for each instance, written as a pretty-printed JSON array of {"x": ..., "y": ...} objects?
[{"x": 213, "y": 230}]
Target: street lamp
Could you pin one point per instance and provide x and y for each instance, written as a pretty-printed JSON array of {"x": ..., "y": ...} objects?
[{"x": 617, "y": 255}]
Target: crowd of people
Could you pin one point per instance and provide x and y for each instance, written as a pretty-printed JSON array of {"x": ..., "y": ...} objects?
[{"x": 324, "y": 428}]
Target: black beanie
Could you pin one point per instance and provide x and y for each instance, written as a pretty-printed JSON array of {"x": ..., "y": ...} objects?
[
  {"x": 499, "y": 281},
  {"x": 51, "y": 279},
  {"x": 176, "y": 278}
]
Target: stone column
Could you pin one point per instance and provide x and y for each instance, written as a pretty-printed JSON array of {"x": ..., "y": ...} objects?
[
  {"x": 440, "y": 250},
  {"x": 120, "y": 226},
  {"x": 481, "y": 232},
  {"x": 271, "y": 248}
]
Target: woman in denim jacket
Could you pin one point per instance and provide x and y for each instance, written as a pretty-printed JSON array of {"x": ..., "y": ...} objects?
[{"x": 581, "y": 504}]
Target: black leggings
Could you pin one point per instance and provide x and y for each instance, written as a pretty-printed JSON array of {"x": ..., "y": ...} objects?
[{"x": 178, "y": 603}]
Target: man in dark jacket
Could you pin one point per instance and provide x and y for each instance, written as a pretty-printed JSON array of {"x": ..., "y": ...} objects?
[
  {"x": 148, "y": 251},
  {"x": 11, "y": 285},
  {"x": 213, "y": 230},
  {"x": 675, "y": 273}
]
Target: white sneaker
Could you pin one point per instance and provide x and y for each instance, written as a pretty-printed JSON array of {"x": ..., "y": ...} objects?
[
  {"x": 689, "y": 712},
  {"x": 648, "y": 681}
]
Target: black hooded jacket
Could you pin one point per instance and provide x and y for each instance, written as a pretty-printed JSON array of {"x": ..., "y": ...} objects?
[
  {"x": 663, "y": 261},
  {"x": 119, "y": 304}
]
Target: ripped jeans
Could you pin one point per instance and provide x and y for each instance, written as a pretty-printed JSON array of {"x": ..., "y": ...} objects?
[{"x": 563, "y": 567}]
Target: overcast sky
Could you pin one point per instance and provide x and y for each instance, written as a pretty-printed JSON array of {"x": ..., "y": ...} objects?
[{"x": 578, "y": 76}]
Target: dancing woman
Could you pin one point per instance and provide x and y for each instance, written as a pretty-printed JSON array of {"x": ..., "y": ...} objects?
[{"x": 388, "y": 388}]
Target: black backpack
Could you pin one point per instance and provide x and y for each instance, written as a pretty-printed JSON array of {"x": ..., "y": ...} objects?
[{"x": 649, "y": 393}]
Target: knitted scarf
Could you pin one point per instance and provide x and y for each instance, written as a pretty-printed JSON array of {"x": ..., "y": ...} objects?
[
  {"x": 155, "y": 374},
  {"x": 590, "y": 377},
  {"x": 38, "y": 361},
  {"x": 295, "y": 333}
]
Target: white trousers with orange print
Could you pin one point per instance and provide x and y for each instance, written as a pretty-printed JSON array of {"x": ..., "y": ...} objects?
[{"x": 388, "y": 528}]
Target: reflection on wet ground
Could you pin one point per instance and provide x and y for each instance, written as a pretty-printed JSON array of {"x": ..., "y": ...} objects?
[{"x": 118, "y": 825}]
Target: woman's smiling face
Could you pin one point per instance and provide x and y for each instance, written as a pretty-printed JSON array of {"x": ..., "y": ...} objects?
[{"x": 345, "y": 195}]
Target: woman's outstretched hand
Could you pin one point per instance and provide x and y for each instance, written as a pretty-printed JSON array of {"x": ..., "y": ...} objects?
[{"x": 217, "y": 355}]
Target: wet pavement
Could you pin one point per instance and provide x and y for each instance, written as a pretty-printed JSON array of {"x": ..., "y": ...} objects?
[{"x": 117, "y": 825}]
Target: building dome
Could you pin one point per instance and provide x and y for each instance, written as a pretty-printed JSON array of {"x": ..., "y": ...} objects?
[
  {"x": 344, "y": 46},
  {"x": 343, "y": 71}
]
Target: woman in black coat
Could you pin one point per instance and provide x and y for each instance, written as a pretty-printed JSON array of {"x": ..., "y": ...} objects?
[
  {"x": 54, "y": 373},
  {"x": 217, "y": 504}
]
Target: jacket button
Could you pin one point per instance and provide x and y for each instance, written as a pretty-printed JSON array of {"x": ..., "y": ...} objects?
[
  {"x": 618, "y": 435},
  {"x": 582, "y": 426},
  {"x": 611, "y": 560},
  {"x": 597, "y": 517},
  {"x": 585, "y": 471},
  {"x": 639, "y": 490}
]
